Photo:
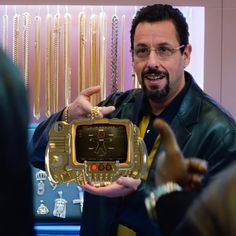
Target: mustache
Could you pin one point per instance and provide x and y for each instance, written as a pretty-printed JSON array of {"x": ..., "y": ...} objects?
[{"x": 154, "y": 71}]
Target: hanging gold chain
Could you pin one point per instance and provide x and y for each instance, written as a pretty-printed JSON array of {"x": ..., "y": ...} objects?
[
  {"x": 5, "y": 33},
  {"x": 16, "y": 38},
  {"x": 122, "y": 78},
  {"x": 26, "y": 25},
  {"x": 114, "y": 53},
  {"x": 81, "y": 59},
  {"x": 56, "y": 44},
  {"x": 48, "y": 66},
  {"x": 102, "y": 53},
  {"x": 67, "y": 59},
  {"x": 36, "y": 110},
  {"x": 93, "y": 54}
]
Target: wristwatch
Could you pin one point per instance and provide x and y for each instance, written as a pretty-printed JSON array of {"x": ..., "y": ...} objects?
[{"x": 161, "y": 190}]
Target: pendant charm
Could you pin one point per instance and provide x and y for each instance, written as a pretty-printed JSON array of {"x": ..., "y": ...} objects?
[
  {"x": 80, "y": 200},
  {"x": 60, "y": 206},
  {"x": 42, "y": 209},
  {"x": 41, "y": 177}
]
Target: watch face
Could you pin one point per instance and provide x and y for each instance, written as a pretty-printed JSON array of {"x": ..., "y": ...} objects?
[{"x": 101, "y": 142}]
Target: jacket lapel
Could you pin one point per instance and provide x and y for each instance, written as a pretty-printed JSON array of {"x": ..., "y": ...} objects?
[{"x": 182, "y": 123}]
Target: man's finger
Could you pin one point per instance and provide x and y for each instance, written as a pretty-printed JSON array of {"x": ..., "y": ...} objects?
[
  {"x": 107, "y": 110},
  {"x": 193, "y": 182},
  {"x": 170, "y": 145},
  {"x": 90, "y": 91},
  {"x": 129, "y": 182},
  {"x": 195, "y": 165}
]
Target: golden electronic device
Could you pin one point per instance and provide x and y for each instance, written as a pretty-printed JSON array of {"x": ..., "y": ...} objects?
[{"x": 97, "y": 151}]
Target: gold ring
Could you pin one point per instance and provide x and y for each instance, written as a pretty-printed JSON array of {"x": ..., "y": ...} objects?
[{"x": 94, "y": 112}]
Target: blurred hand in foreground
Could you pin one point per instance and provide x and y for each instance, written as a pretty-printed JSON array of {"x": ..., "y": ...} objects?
[{"x": 172, "y": 166}]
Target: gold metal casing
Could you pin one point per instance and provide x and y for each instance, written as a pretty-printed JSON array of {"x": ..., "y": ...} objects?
[{"x": 96, "y": 151}]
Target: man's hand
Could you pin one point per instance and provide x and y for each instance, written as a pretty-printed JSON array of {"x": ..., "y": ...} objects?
[
  {"x": 119, "y": 188},
  {"x": 172, "y": 166},
  {"x": 81, "y": 107}
]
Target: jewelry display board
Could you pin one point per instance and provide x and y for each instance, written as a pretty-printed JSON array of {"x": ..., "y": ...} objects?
[
  {"x": 55, "y": 203},
  {"x": 63, "y": 49}
]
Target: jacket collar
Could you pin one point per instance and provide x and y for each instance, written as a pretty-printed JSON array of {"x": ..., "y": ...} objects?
[
  {"x": 187, "y": 115},
  {"x": 190, "y": 107}
]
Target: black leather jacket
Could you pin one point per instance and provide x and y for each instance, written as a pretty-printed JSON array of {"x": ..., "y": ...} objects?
[{"x": 203, "y": 129}]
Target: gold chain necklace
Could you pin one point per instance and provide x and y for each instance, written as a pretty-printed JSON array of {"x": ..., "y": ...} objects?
[
  {"x": 48, "y": 66},
  {"x": 36, "y": 109},
  {"x": 67, "y": 59},
  {"x": 122, "y": 86},
  {"x": 114, "y": 52},
  {"x": 93, "y": 54},
  {"x": 81, "y": 58},
  {"x": 5, "y": 33},
  {"x": 16, "y": 38},
  {"x": 26, "y": 24},
  {"x": 56, "y": 44},
  {"x": 102, "y": 53}
]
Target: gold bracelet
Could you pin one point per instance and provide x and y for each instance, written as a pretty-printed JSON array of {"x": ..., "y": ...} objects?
[{"x": 65, "y": 114}]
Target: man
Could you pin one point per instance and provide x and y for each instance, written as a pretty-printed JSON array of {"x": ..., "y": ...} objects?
[
  {"x": 160, "y": 52},
  {"x": 16, "y": 199}
]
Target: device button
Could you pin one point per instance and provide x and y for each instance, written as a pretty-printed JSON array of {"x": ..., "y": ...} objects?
[
  {"x": 108, "y": 167},
  {"x": 93, "y": 167},
  {"x": 101, "y": 167}
]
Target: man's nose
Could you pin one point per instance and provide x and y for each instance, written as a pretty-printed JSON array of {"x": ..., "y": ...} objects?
[{"x": 153, "y": 60}]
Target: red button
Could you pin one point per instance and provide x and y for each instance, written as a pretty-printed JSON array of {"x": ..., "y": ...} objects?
[{"x": 94, "y": 167}]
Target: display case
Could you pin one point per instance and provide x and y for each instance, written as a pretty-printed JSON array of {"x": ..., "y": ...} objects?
[{"x": 57, "y": 208}]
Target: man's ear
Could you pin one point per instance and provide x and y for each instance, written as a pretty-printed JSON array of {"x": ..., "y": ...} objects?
[
  {"x": 187, "y": 54},
  {"x": 132, "y": 58}
]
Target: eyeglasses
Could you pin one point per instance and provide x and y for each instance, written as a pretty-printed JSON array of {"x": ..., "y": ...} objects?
[{"x": 164, "y": 52}]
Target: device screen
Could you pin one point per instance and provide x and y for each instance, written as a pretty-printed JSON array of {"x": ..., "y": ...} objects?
[{"x": 101, "y": 142}]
